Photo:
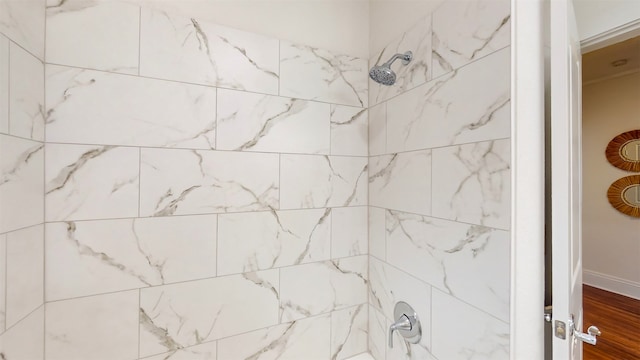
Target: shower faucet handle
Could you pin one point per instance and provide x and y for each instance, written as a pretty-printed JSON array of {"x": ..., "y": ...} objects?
[
  {"x": 407, "y": 324},
  {"x": 403, "y": 323}
]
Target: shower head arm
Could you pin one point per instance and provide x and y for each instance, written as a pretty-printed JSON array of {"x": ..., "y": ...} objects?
[{"x": 406, "y": 58}]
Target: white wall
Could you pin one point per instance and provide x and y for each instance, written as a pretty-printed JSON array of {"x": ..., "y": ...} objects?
[
  {"x": 390, "y": 18},
  {"x": 338, "y": 25},
  {"x": 597, "y": 16},
  {"x": 611, "y": 240}
]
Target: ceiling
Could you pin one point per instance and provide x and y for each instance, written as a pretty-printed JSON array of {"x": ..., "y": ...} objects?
[{"x": 597, "y": 65}]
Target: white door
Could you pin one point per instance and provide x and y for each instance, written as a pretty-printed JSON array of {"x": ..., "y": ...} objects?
[{"x": 566, "y": 183}]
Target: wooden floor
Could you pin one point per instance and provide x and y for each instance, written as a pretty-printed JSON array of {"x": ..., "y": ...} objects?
[{"x": 618, "y": 318}]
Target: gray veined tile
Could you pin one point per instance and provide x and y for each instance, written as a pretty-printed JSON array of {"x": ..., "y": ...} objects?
[
  {"x": 388, "y": 285},
  {"x": 378, "y": 326},
  {"x": 349, "y": 332},
  {"x": 101, "y": 35},
  {"x": 85, "y": 106},
  {"x": 23, "y": 22},
  {"x": 310, "y": 181},
  {"x": 443, "y": 253},
  {"x": 175, "y": 316},
  {"x": 464, "y": 31},
  {"x": 349, "y": 131},
  {"x": 377, "y": 233},
  {"x": 92, "y": 257},
  {"x": 450, "y": 110},
  {"x": 25, "y": 272},
  {"x": 401, "y": 181},
  {"x": 256, "y": 122},
  {"x": 473, "y": 183},
  {"x": 21, "y": 182},
  {"x": 264, "y": 240},
  {"x": 91, "y": 182},
  {"x": 307, "y": 339},
  {"x": 26, "y": 100},
  {"x": 317, "y": 288},
  {"x": 4, "y": 85},
  {"x": 474, "y": 334},
  {"x": 349, "y": 232},
  {"x": 25, "y": 340},
  {"x": 206, "y": 351},
  {"x": 417, "y": 40},
  {"x": 316, "y": 74},
  {"x": 378, "y": 129},
  {"x": 103, "y": 327},
  {"x": 188, "y": 49},
  {"x": 179, "y": 182}
]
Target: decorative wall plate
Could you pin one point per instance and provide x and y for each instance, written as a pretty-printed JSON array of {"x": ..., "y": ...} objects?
[
  {"x": 624, "y": 195},
  {"x": 623, "y": 151}
]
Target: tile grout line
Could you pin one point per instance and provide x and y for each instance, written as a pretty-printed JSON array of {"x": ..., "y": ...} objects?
[
  {"x": 208, "y": 278},
  {"x": 44, "y": 189},
  {"x": 210, "y": 86}
]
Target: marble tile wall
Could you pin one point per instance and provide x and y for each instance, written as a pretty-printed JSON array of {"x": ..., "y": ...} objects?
[
  {"x": 439, "y": 188},
  {"x": 22, "y": 179},
  {"x": 206, "y": 190}
]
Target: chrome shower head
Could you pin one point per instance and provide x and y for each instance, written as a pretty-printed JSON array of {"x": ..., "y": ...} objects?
[{"x": 383, "y": 74}]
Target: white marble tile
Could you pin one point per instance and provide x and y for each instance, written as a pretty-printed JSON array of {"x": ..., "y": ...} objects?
[
  {"x": 190, "y": 50},
  {"x": 191, "y": 313},
  {"x": 178, "y": 182},
  {"x": 470, "y": 262},
  {"x": 401, "y": 181},
  {"x": 4, "y": 85},
  {"x": 464, "y": 31},
  {"x": 102, "y": 35},
  {"x": 388, "y": 285},
  {"x": 23, "y": 22},
  {"x": 264, "y": 240},
  {"x": 378, "y": 129},
  {"x": 403, "y": 350},
  {"x": 319, "y": 181},
  {"x": 91, "y": 182},
  {"x": 307, "y": 339},
  {"x": 21, "y": 182},
  {"x": 103, "y": 327},
  {"x": 377, "y": 233},
  {"x": 363, "y": 356},
  {"x": 25, "y": 340},
  {"x": 3, "y": 282},
  {"x": 92, "y": 257},
  {"x": 377, "y": 334},
  {"x": 26, "y": 96},
  {"x": 473, "y": 183},
  {"x": 85, "y": 106},
  {"x": 349, "y": 131},
  {"x": 417, "y": 40},
  {"x": 349, "y": 332},
  {"x": 473, "y": 334},
  {"x": 450, "y": 110},
  {"x": 349, "y": 232},
  {"x": 317, "y": 288},
  {"x": 25, "y": 272},
  {"x": 206, "y": 351},
  {"x": 316, "y": 74},
  {"x": 256, "y": 122}
]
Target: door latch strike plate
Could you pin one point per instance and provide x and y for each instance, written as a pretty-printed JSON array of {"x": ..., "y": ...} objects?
[{"x": 560, "y": 330}]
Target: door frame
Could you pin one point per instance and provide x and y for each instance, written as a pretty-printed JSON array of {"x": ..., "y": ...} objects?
[
  {"x": 529, "y": 45},
  {"x": 527, "y": 179}
]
